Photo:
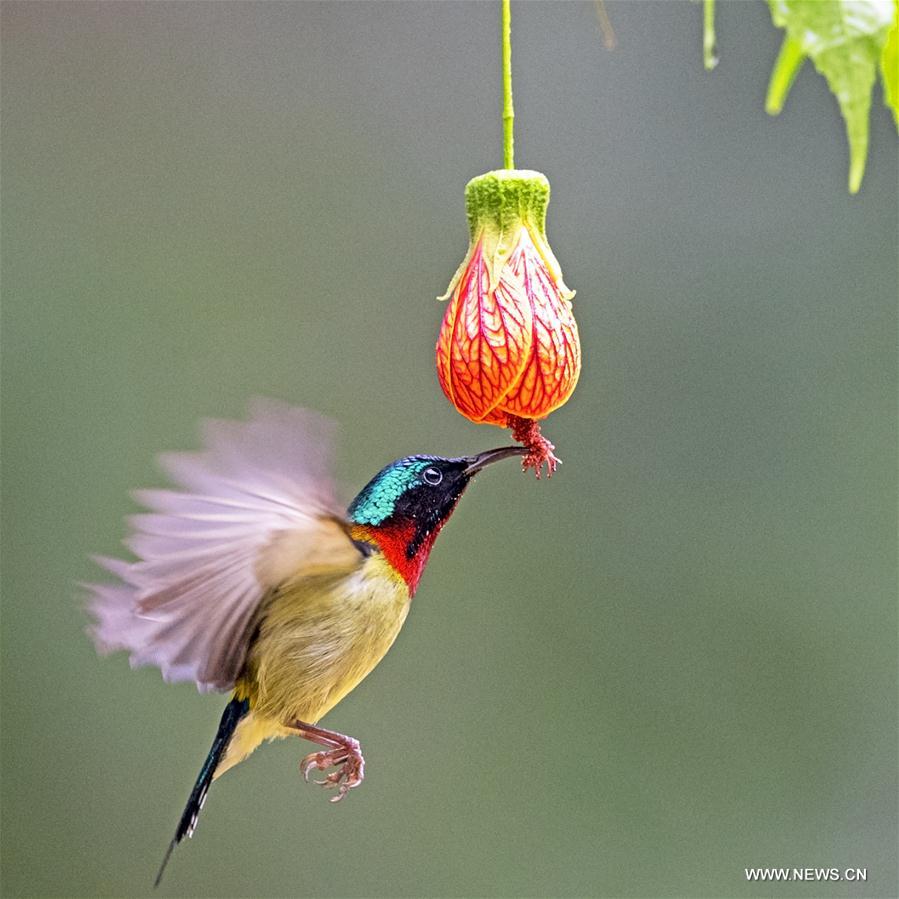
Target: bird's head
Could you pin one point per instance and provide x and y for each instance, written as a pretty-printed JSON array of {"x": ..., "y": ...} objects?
[{"x": 403, "y": 507}]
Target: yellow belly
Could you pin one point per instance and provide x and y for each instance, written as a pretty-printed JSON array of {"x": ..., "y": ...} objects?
[{"x": 318, "y": 638}]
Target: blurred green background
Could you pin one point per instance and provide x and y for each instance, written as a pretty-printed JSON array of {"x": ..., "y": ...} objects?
[{"x": 675, "y": 660}]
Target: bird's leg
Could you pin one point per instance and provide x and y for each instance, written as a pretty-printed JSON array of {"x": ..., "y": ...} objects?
[
  {"x": 339, "y": 751},
  {"x": 540, "y": 451}
]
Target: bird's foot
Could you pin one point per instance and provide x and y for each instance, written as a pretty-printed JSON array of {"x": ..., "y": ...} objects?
[
  {"x": 342, "y": 752},
  {"x": 540, "y": 451}
]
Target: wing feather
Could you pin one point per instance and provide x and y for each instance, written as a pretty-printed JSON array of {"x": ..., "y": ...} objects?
[{"x": 255, "y": 507}]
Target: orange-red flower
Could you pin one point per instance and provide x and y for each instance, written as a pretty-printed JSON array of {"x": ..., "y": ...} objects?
[{"x": 508, "y": 353}]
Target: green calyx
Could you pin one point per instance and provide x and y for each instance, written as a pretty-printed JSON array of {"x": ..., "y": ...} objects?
[{"x": 502, "y": 200}]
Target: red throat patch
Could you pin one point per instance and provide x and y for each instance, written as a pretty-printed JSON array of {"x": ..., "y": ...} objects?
[{"x": 392, "y": 540}]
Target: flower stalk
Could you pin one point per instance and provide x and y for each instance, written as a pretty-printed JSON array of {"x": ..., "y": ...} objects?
[{"x": 508, "y": 108}]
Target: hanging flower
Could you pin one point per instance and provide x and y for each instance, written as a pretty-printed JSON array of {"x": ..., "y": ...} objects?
[{"x": 508, "y": 353}]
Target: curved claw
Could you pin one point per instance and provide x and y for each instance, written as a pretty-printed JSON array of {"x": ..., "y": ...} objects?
[
  {"x": 345, "y": 788},
  {"x": 308, "y": 763},
  {"x": 331, "y": 780}
]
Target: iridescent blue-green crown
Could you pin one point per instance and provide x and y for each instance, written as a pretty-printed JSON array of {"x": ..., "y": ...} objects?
[{"x": 377, "y": 499}]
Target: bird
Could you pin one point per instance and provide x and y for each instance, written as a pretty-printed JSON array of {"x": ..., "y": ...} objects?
[{"x": 250, "y": 579}]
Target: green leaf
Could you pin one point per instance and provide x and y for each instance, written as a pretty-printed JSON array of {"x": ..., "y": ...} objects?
[
  {"x": 889, "y": 67},
  {"x": 786, "y": 68},
  {"x": 844, "y": 39},
  {"x": 709, "y": 42}
]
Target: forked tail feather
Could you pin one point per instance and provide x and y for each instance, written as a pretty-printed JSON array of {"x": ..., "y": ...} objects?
[{"x": 231, "y": 717}]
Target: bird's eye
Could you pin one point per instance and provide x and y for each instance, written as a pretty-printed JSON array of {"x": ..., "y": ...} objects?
[{"x": 432, "y": 476}]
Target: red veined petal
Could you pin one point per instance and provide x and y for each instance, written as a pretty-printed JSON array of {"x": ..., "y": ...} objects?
[
  {"x": 553, "y": 365},
  {"x": 485, "y": 340}
]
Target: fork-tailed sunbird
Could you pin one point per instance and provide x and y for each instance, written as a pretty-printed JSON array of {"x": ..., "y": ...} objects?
[{"x": 250, "y": 579}]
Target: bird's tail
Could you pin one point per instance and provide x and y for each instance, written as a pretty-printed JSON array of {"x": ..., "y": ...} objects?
[{"x": 231, "y": 717}]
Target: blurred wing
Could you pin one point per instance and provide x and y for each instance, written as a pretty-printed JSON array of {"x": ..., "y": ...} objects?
[{"x": 257, "y": 507}]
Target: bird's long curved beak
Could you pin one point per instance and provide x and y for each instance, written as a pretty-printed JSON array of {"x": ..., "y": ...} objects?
[{"x": 476, "y": 463}]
